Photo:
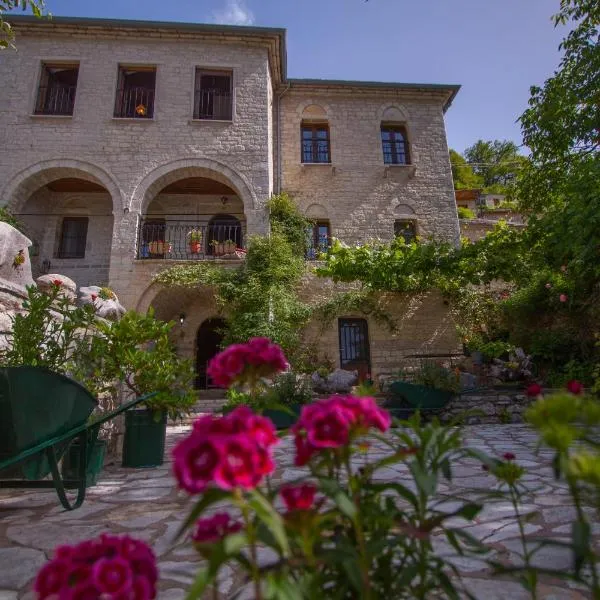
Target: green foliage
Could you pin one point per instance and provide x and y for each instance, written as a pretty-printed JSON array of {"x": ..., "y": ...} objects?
[
  {"x": 289, "y": 389},
  {"x": 6, "y": 32},
  {"x": 237, "y": 398},
  {"x": 433, "y": 375},
  {"x": 463, "y": 174},
  {"x": 6, "y": 217},
  {"x": 287, "y": 220},
  {"x": 465, "y": 213}
]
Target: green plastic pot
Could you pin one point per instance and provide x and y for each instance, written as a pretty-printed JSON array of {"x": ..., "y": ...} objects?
[
  {"x": 145, "y": 434},
  {"x": 419, "y": 396},
  {"x": 95, "y": 464},
  {"x": 282, "y": 419}
]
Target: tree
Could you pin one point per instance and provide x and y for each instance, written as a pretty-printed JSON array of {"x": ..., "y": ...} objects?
[
  {"x": 496, "y": 162},
  {"x": 463, "y": 174},
  {"x": 6, "y": 33}
]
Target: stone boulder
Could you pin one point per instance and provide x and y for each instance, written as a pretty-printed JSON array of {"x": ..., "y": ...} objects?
[
  {"x": 68, "y": 288},
  {"x": 337, "y": 382},
  {"x": 15, "y": 266},
  {"x": 105, "y": 302}
]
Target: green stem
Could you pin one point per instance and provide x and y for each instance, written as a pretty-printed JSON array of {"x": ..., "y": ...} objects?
[
  {"x": 526, "y": 555},
  {"x": 251, "y": 533}
]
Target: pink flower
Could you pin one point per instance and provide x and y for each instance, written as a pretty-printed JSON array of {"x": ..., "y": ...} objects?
[
  {"x": 245, "y": 362},
  {"x": 563, "y": 297},
  {"x": 533, "y": 390},
  {"x": 105, "y": 567},
  {"x": 231, "y": 452},
  {"x": 575, "y": 387},
  {"x": 548, "y": 286},
  {"x": 113, "y": 576},
  {"x": 94, "y": 296},
  {"x": 299, "y": 497},
  {"x": 215, "y": 528},
  {"x": 332, "y": 423},
  {"x": 57, "y": 282},
  {"x": 508, "y": 456}
]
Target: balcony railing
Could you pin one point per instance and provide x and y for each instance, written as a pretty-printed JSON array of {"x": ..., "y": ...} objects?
[
  {"x": 135, "y": 103},
  {"x": 188, "y": 240},
  {"x": 212, "y": 104},
  {"x": 55, "y": 100}
]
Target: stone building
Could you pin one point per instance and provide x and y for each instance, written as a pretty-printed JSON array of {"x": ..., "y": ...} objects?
[{"x": 130, "y": 146}]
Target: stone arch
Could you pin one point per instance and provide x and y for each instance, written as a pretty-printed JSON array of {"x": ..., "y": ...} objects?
[
  {"x": 316, "y": 211},
  {"x": 404, "y": 210},
  {"x": 312, "y": 109},
  {"x": 175, "y": 170},
  {"x": 20, "y": 188},
  {"x": 394, "y": 113}
]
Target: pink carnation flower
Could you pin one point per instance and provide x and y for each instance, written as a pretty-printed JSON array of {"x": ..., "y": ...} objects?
[
  {"x": 215, "y": 528},
  {"x": 299, "y": 497},
  {"x": 563, "y": 297},
  {"x": 106, "y": 567},
  {"x": 533, "y": 390},
  {"x": 575, "y": 387}
]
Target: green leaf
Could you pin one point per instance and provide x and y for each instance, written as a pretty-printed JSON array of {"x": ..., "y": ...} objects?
[
  {"x": 446, "y": 469},
  {"x": 203, "y": 579},
  {"x": 402, "y": 491},
  {"x": 337, "y": 494},
  {"x": 271, "y": 518},
  {"x": 426, "y": 482},
  {"x": 581, "y": 535},
  {"x": 210, "y": 496}
]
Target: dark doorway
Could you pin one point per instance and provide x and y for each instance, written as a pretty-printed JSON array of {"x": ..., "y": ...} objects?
[
  {"x": 354, "y": 347},
  {"x": 208, "y": 344}
]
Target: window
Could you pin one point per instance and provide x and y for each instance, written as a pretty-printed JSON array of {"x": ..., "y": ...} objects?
[
  {"x": 212, "y": 95},
  {"x": 135, "y": 92},
  {"x": 318, "y": 238},
  {"x": 73, "y": 237},
  {"x": 56, "y": 93},
  {"x": 406, "y": 229},
  {"x": 395, "y": 145},
  {"x": 354, "y": 347},
  {"x": 315, "y": 143}
]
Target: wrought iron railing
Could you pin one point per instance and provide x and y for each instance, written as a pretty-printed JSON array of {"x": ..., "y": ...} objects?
[
  {"x": 135, "y": 103},
  {"x": 189, "y": 240},
  {"x": 212, "y": 104},
  {"x": 56, "y": 99}
]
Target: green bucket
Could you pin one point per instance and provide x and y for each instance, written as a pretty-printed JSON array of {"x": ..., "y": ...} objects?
[
  {"x": 145, "y": 433},
  {"x": 95, "y": 462}
]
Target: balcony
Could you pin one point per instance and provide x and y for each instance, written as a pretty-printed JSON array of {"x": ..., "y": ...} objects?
[
  {"x": 213, "y": 105},
  {"x": 190, "y": 240},
  {"x": 135, "y": 103},
  {"x": 57, "y": 99}
]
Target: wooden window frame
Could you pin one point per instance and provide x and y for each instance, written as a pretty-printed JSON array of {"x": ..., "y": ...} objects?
[
  {"x": 121, "y": 104},
  {"x": 314, "y": 127},
  {"x": 314, "y": 237},
  {"x": 81, "y": 242},
  {"x": 199, "y": 72},
  {"x": 395, "y": 130},
  {"x": 47, "y": 83}
]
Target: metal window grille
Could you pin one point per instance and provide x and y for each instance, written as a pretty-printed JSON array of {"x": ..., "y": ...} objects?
[
  {"x": 395, "y": 146},
  {"x": 405, "y": 229},
  {"x": 318, "y": 239},
  {"x": 73, "y": 237},
  {"x": 354, "y": 345},
  {"x": 56, "y": 91},
  {"x": 315, "y": 143},
  {"x": 135, "y": 94},
  {"x": 213, "y": 99}
]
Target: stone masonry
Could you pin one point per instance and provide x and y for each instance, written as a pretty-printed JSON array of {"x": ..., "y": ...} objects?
[{"x": 126, "y": 163}]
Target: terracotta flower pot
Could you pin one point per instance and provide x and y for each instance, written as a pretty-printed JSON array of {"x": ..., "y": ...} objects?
[{"x": 196, "y": 247}]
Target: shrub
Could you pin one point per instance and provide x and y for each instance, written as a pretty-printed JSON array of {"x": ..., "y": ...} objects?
[
  {"x": 289, "y": 389},
  {"x": 465, "y": 213}
]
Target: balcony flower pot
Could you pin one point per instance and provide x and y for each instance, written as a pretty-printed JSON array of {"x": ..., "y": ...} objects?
[
  {"x": 282, "y": 419},
  {"x": 160, "y": 247},
  {"x": 95, "y": 461},
  {"x": 421, "y": 397},
  {"x": 195, "y": 247},
  {"x": 145, "y": 434}
]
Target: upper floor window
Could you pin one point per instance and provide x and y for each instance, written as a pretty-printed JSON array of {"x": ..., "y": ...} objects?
[
  {"x": 315, "y": 143},
  {"x": 318, "y": 237},
  {"x": 213, "y": 98},
  {"x": 135, "y": 92},
  {"x": 56, "y": 92},
  {"x": 73, "y": 237},
  {"x": 405, "y": 228},
  {"x": 395, "y": 145}
]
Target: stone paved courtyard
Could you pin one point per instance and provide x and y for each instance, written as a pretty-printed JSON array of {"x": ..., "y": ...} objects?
[{"x": 146, "y": 504}]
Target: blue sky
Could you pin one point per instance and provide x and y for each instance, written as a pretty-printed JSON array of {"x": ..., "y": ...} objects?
[{"x": 496, "y": 49}]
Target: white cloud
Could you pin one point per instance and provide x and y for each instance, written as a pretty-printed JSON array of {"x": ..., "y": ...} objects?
[{"x": 235, "y": 12}]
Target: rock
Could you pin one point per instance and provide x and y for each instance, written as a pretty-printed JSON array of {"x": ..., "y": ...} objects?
[
  {"x": 15, "y": 266},
  {"x": 19, "y": 565},
  {"x": 338, "y": 382},
  {"x": 104, "y": 300},
  {"x": 47, "y": 283}
]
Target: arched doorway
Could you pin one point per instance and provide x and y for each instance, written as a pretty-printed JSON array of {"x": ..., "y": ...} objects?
[{"x": 208, "y": 342}]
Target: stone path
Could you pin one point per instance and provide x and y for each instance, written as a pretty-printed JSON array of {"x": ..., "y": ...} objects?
[{"x": 146, "y": 504}]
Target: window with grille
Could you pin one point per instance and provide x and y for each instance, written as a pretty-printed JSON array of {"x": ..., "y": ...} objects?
[
  {"x": 315, "y": 143},
  {"x": 73, "y": 237},
  {"x": 318, "y": 239},
  {"x": 405, "y": 228},
  {"x": 395, "y": 145},
  {"x": 213, "y": 98},
  {"x": 135, "y": 93},
  {"x": 56, "y": 92}
]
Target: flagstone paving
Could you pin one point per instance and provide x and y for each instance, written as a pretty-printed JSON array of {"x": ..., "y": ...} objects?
[{"x": 146, "y": 504}]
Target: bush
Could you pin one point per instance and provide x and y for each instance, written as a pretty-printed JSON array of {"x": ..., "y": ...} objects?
[
  {"x": 433, "y": 375},
  {"x": 465, "y": 213},
  {"x": 289, "y": 389}
]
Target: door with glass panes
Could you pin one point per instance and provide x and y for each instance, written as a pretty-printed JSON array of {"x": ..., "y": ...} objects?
[{"x": 354, "y": 347}]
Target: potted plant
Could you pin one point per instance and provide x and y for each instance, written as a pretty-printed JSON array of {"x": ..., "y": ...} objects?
[
  {"x": 160, "y": 247},
  {"x": 429, "y": 387},
  {"x": 195, "y": 237},
  {"x": 286, "y": 397},
  {"x": 229, "y": 246},
  {"x": 224, "y": 247}
]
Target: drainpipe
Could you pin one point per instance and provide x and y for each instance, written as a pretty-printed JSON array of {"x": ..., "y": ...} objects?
[{"x": 279, "y": 137}]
